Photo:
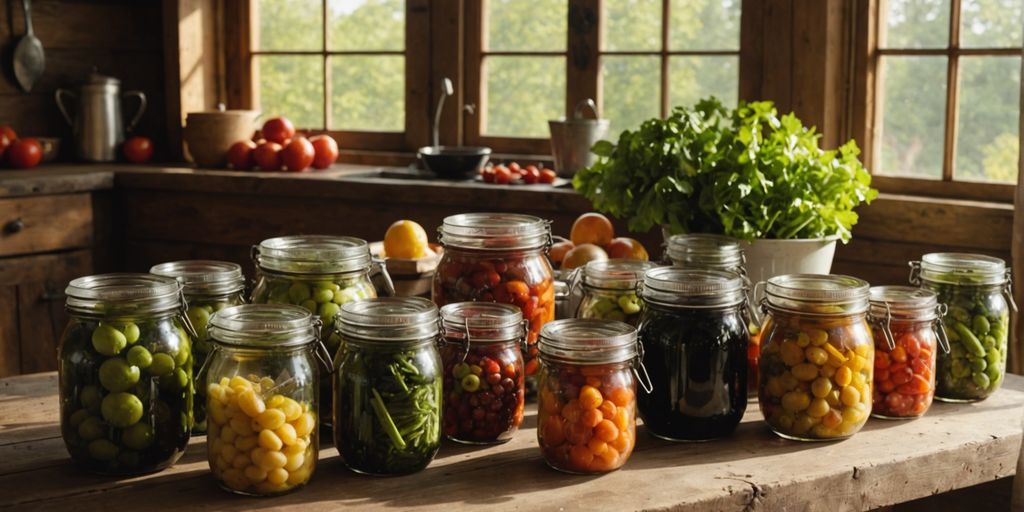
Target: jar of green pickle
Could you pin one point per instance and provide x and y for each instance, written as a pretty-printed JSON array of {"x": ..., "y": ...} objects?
[
  {"x": 262, "y": 381},
  {"x": 387, "y": 385},
  {"x": 125, "y": 373},
  {"x": 609, "y": 290},
  {"x": 209, "y": 286},
  {"x": 817, "y": 355},
  {"x": 976, "y": 291}
]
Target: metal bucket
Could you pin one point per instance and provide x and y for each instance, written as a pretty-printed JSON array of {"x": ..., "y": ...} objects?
[{"x": 571, "y": 139}]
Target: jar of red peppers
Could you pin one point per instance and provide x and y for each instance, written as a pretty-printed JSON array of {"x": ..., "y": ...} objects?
[
  {"x": 587, "y": 412},
  {"x": 484, "y": 375},
  {"x": 498, "y": 257},
  {"x": 906, "y": 327}
]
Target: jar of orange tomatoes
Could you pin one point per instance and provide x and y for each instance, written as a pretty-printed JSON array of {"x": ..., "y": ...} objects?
[
  {"x": 587, "y": 409},
  {"x": 498, "y": 257},
  {"x": 906, "y": 327},
  {"x": 816, "y": 356}
]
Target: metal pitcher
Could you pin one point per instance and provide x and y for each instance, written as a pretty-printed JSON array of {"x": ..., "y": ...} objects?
[
  {"x": 571, "y": 139},
  {"x": 97, "y": 126}
]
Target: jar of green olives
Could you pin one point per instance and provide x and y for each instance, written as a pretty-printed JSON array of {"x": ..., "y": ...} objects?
[
  {"x": 387, "y": 385},
  {"x": 609, "y": 290},
  {"x": 125, "y": 372},
  {"x": 262, "y": 381},
  {"x": 976, "y": 291},
  {"x": 209, "y": 286}
]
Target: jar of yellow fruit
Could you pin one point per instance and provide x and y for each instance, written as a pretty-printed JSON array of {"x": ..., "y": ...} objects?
[{"x": 262, "y": 383}]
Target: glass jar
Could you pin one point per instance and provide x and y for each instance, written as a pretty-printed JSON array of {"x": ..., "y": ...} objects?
[
  {"x": 694, "y": 337},
  {"x": 907, "y": 331},
  {"x": 498, "y": 257},
  {"x": 587, "y": 401},
  {"x": 484, "y": 375},
  {"x": 261, "y": 384},
  {"x": 208, "y": 286},
  {"x": 816, "y": 357},
  {"x": 609, "y": 290},
  {"x": 125, "y": 372},
  {"x": 319, "y": 273},
  {"x": 976, "y": 291},
  {"x": 387, "y": 386}
]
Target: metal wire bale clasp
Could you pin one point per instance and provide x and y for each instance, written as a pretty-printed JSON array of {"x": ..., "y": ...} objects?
[
  {"x": 645, "y": 381},
  {"x": 185, "y": 321},
  {"x": 940, "y": 328},
  {"x": 1008, "y": 291},
  {"x": 915, "y": 272},
  {"x": 885, "y": 325},
  {"x": 320, "y": 350}
]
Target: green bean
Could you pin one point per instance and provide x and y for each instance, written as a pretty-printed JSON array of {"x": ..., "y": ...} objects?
[
  {"x": 969, "y": 340},
  {"x": 385, "y": 420}
]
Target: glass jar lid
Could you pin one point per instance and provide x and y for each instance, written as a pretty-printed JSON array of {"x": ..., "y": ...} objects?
[
  {"x": 124, "y": 294},
  {"x": 313, "y": 254},
  {"x": 903, "y": 303},
  {"x": 960, "y": 268},
  {"x": 495, "y": 231},
  {"x": 826, "y": 294},
  {"x": 267, "y": 326},
  {"x": 615, "y": 274},
  {"x": 588, "y": 341},
  {"x": 389, "y": 319},
  {"x": 486, "y": 322},
  {"x": 693, "y": 287},
  {"x": 700, "y": 250},
  {"x": 203, "y": 277}
]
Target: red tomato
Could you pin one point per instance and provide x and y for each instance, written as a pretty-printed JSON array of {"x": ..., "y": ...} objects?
[
  {"x": 514, "y": 167},
  {"x": 487, "y": 174},
  {"x": 298, "y": 155},
  {"x": 547, "y": 176},
  {"x": 24, "y": 153},
  {"x": 326, "y": 149},
  {"x": 502, "y": 175},
  {"x": 531, "y": 175},
  {"x": 240, "y": 155},
  {"x": 138, "y": 149},
  {"x": 278, "y": 130},
  {"x": 267, "y": 156},
  {"x": 7, "y": 136}
]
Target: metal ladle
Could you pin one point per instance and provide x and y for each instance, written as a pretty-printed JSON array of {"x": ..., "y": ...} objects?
[
  {"x": 446, "y": 90},
  {"x": 29, "y": 60}
]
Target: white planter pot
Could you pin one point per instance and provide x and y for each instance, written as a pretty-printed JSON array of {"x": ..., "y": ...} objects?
[{"x": 770, "y": 258}]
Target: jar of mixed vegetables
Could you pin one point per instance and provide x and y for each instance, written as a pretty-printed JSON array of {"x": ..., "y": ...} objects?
[
  {"x": 484, "y": 377},
  {"x": 694, "y": 337},
  {"x": 816, "y": 357},
  {"x": 498, "y": 257},
  {"x": 587, "y": 400},
  {"x": 319, "y": 273},
  {"x": 907, "y": 331},
  {"x": 976, "y": 291},
  {"x": 388, "y": 385},
  {"x": 609, "y": 290},
  {"x": 262, "y": 380},
  {"x": 125, "y": 372},
  {"x": 209, "y": 286}
]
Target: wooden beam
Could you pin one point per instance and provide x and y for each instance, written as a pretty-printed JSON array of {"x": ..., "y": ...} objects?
[
  {"x": 1016, "y": 354},
  {"x": 583, "y": 78}
]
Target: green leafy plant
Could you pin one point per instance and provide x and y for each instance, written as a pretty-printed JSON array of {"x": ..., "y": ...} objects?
[{"x": 747, "y": 173}]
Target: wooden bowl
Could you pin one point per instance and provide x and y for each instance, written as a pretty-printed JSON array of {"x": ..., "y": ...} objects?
[{"x": 209, "y": 135}]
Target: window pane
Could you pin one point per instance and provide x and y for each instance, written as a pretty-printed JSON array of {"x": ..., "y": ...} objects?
[
  {"x": 289, "y": 24},
  {"x": 281, "y": 94},
  {"x": 366, "y": 25},
  {"x": 914, "y": 24},
  {"x": 987, "y": 139},
  {"x": 522, "y": 94},
  {"x": 632, "y": 25},
  {"x": 991, "y": 23},
  {"x": 526, "y": 25},
  {"x": 368, "y": 93},
  {"x": 632, "y": 88},
  {"x": 694, "y": 78},
  {"x": 912, "y": 110},
  {"x": 706, "y": 25}
]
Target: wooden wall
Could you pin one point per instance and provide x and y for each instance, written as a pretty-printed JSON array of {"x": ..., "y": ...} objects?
[{"x": 121, "y": 38}]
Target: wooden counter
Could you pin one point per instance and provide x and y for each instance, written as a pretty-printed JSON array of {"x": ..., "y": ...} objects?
[{"x": 952, "y": 447}]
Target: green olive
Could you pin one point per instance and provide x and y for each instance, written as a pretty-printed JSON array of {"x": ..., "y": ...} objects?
[
  {"x": 103, "y": 450},
  {"x": 179, "y": 379},
  {"x": 122, "y": 410},
  {"x": 90, "y": 398},
  {"x": 139, "y": 356},
  {"x": 92, "y": 428},
  {"x": 117, "y": 375},
  {"x": 162, "y": 365},
  {"x": 77, "y": 417},
  {"x": 298, "y": 292},
  {"x": 328, "y": 311},
  {"x": 138, "y": 436},
  {"x": 200, "y": 319},
  {"x": 108, "y": 341},
  {"x": 347, "y": 295},
  {"x": 131, "y": 332},
  {"x": 470, "y": 383},
  {"x": 323, "y": 295},
  {"x": 310, "y": 305}
]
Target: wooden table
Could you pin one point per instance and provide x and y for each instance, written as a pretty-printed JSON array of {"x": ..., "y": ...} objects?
[{"x": 889, "y": 462}]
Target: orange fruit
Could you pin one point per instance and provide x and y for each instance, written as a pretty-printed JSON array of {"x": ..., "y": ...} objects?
[
  {"x": 627, "y": 248},
  {"x": 581, "y": 255},
  {"x": 592, "y": 228},
  {"x": 558, "y": 251},
  {"x": 405, "y": 239}
]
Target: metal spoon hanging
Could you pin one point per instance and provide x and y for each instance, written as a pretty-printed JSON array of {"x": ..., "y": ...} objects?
[
  {"x": 29, "y": 60},
  {"x": 446, "y": 90}
]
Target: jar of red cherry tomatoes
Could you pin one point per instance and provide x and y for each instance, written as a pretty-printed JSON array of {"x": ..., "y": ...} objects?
[
  {"x": 498, "y": 257},
  {"x": 587, "y": 400},
  {"x": 906, "y": 327},
  {"x": 484, "y": 377}
]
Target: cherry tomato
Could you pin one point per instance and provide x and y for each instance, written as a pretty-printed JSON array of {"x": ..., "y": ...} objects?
[
  {"x": 547, "y": 176},
  {"x": 514, "y": 167},
  {"x": 531, "y": 175},
  {"x": 278, "y": 129},
  {"x": 502, "y": 175},
  {"x": 298, "y": 155},
  {"x": 240, "y": 155},
  {"x": 487, "y": 174},
  {"x": 7, "y": 136},
  {"x": 267, "y": 156},
  {"x": 138, "y": 149},
  {"x": 24, "y": 153},
  {"x": 326, "y": 149}
]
